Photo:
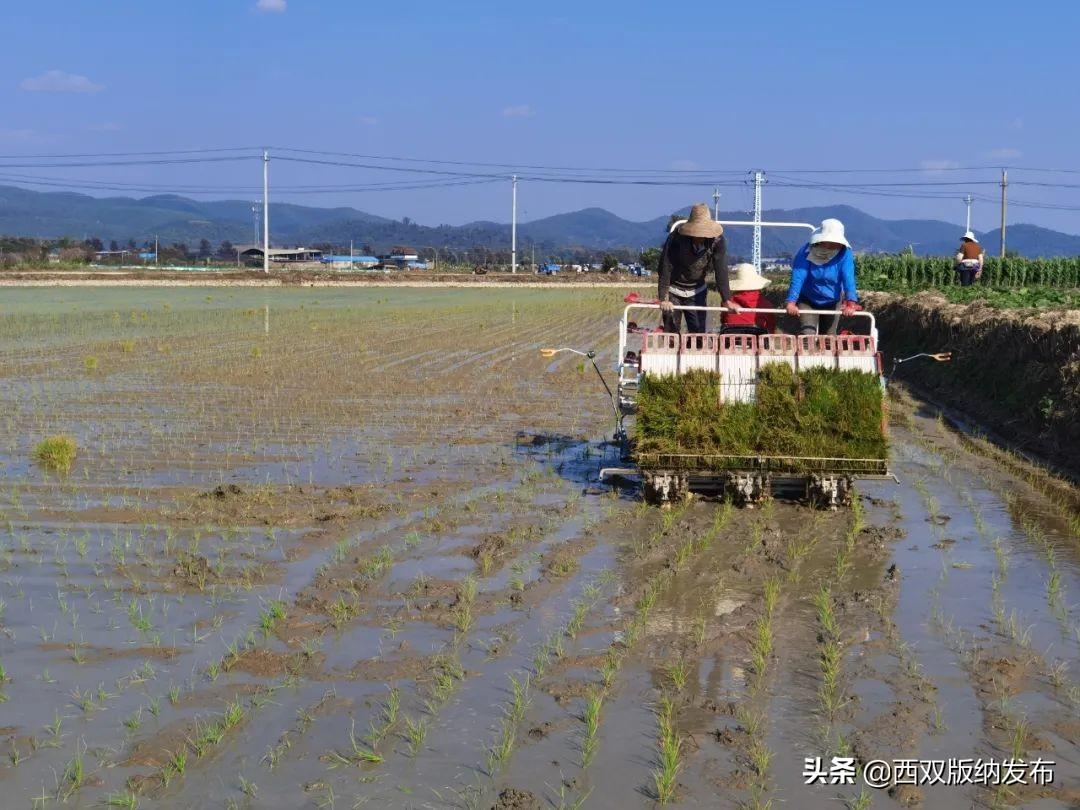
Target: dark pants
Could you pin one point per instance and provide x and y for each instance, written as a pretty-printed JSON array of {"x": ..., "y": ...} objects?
[
  {"x": 818, "y": 324},
  {"x": 695, "y": 320},
  {"x": 967, "y": 275}
]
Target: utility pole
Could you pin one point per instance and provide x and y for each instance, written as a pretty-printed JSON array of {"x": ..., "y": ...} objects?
[
  {"x": 1004, "y": 184},
  {"x": 968, "y": 200},
  {"x": 759, "y": 179},
  {"x": 266, "y": 211},
  {"x": 350, "y": 254},
  {"x": 155, "y": 250},
  {"x": 716, "y": 202},
  {"x": 513, "y": 225}
]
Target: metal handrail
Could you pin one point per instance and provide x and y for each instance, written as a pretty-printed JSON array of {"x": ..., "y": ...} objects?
[
  {"x": 626, "y": 315},
  {"x": 807, "y": 225}
]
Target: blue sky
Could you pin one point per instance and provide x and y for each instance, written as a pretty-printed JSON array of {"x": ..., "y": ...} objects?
[{"x": 779, "y": 85}]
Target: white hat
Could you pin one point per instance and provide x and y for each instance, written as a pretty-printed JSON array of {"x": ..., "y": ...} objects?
[
  {"x": 970, "y": 235},
  {"x": 831, "y": 230},
  {"x": 746, "y": 277}
]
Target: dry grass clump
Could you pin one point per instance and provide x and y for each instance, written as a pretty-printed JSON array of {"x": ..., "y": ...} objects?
[
  {"x": 818, "y": 413},
  {"x": 56, "y": 453}
]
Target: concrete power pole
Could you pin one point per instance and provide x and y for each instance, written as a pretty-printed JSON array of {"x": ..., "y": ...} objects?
[
  {"x": 759, "y": 179},
  {"x": 513, "y": 225},
  {"x": 266, "y": 211},
  {"x": 1004, "y": 184},
  {"x": 716, "y": 202},
  {"x": 968, "y": 200}
]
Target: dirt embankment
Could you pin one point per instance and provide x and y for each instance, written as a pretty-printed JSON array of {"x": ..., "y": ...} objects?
[{"x": 1016, "y": 371}]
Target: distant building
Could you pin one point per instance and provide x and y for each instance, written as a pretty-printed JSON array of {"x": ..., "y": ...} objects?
[
  {"x": 346, "y": 262},
  {"x": 254, "y": 254},
  {"x": 403, "y": 258},
  {"x": 103, "y": 255},
  {"x": 777, "y": 263}
]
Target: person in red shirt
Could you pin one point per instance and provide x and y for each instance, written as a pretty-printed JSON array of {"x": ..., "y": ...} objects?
[{"x": 746, "y": 291}]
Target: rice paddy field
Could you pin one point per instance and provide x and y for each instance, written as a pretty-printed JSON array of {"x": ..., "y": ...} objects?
[{"x": 345, "y": 548}]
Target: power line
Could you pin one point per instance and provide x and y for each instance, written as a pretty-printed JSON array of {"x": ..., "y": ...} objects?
[
  {"x": 509, "y": 166},
  {"x": 159, "y": 162},
  {"x": 133, "y": 154}
]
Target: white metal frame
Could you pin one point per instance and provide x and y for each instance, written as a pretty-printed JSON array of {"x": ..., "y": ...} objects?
[{"x": 624, "y": 321}]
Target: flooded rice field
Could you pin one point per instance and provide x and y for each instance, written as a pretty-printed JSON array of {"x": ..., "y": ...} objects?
[{"x": 345, "y": 548}]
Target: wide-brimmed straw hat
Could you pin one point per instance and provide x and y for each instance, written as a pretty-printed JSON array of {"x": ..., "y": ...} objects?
[
  {"x": 746, "y": 277},
  {"x": 700, "y": 224},
  {"x": 970, "y": 236},
  {"x": 831, "y": 230}
]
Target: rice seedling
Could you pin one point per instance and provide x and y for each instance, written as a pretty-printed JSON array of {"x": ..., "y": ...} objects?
[
  {"x": 356, "y": 754},
  {"x": 248, "y": 788},
  {"x": 669, "y": 753},
  {"x": 761, "y": 643},
  {"x": 415, "y": 734},
  {"x": 126, "y": 799},
  {"x": 75, "y": 772},
  {"x": 273, "y": 613},
  {"x": 678, "y": 672},
  {"x": 56, "y": 453},
  {"x": 591, "y": 718},
  {"x": 388, "y": 716}
]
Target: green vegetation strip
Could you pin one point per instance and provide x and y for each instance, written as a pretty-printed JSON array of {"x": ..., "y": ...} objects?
[
  {"x": 883, "y": 272},
  {"x": 817, "y": 413}
]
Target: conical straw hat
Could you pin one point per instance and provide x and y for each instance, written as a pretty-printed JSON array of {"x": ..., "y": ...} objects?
[
  {"x": 746, "y": 277},
  {"x": 700, "y": 224}
]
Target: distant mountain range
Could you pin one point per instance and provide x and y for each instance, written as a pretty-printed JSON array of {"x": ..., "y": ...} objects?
[{"x": 179, "y": 219}]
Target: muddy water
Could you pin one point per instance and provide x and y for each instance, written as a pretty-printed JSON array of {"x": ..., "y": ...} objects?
[{"x": 370, "y": 529}]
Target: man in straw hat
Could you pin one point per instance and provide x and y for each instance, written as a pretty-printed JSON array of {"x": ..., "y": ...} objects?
[
  {"x": 969, "y": 260},
  {"x": 693, "y": 249},
  {"x": 747, "y": 286},
  {"x": 823, "y": 277}
]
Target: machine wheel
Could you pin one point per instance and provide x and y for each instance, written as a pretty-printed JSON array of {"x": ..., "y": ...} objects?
[
  {"x": 832, "y": 491},
  {"x": 747, "y": 489},
  {"x": 661, "y": 488}
]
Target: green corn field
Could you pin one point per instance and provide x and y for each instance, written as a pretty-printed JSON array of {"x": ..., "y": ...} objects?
[{"x": 885, "y": 272}]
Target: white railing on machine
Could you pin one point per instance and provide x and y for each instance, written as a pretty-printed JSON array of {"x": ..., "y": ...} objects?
[{"x": 624, "y": 322}]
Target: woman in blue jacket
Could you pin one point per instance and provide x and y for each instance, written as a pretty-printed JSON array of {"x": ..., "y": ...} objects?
[{"x": 823, "y": 277}]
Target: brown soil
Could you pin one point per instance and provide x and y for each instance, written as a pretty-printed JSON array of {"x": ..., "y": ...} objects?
[
  {"x": 1038, "y": 409},
  {"x": 270, "y": 664},
  {"x": 514, "y": 799}
]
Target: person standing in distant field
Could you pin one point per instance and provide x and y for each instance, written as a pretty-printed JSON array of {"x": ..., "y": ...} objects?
[
  {"x": 823, "y": 277},
  {"x": 694, "y": 249},
  {"x": 969, "y": 260}
]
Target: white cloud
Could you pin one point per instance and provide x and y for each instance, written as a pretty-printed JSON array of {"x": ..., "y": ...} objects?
[
  {"x": 57, "y": 81},
  {"x": 932, "y": 166},
  {"x": 1003, "y": 153},
  {"x": 684, "y": 165},
  {"x": 518, "y": 111},
  {"x": 273, "y": 6},
  {"x": 367, "y": 120}
]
